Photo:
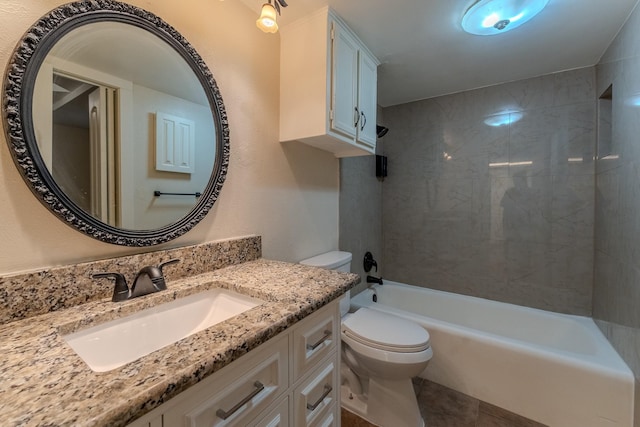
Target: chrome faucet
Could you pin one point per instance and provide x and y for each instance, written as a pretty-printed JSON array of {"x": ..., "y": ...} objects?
[{"x": 148, "y": 280}]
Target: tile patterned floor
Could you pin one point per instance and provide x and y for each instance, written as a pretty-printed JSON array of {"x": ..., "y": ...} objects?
[{"x": 443, "y": 407}]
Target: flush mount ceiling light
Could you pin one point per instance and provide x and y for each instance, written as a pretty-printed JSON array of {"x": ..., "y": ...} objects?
[
  {"x": 489, "y": 17},
  {"x": 267, "y": 21}
]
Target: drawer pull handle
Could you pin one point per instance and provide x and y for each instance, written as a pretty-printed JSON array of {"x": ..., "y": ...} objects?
[
  {"x": 226, "y": 414},
  {"x": 326, "y": 336},
  {"x": 327, "y": 390}
]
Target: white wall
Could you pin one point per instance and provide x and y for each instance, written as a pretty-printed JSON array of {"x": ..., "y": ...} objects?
[
  {"x": 155, "y": 212},
  {"x": 288, "y": 193}
]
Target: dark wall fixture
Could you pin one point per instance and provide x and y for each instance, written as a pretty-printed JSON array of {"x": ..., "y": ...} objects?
[
  {"x": 368, "y": 262},
  {"x": 381, "y": 161},
  {"x": 381, "y": 166},
  {"x": 381, "y": 131}
]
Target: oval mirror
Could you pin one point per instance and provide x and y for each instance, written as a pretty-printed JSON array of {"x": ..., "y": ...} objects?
[{"x": 116, "y": 123}]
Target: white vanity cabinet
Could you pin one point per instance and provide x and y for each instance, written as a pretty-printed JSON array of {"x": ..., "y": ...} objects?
[
  {"x": 291, "y": 380},
  {"x": 328, "y": 86}
]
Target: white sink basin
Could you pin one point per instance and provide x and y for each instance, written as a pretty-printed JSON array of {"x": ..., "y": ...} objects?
[{"x": 118, "y": 342}]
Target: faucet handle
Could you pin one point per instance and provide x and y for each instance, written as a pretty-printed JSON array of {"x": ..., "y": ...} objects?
[
  {"x": 156, "y": 275},
  {"x": 121, "y": 290},
  {"x": 171, "y": 261}
]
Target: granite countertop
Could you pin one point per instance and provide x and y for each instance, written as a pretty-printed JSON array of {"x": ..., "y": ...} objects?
[{"x": 45, "y": 383}]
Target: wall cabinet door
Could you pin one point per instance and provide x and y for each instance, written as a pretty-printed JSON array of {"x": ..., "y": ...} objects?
[
  {"x": 344, "y": 83},
  {"x": 367, "y": 99},
  {"x": 353, "y": 89}
]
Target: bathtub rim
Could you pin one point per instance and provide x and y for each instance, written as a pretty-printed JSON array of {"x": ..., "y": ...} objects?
[{"x": 606, "y": 360}]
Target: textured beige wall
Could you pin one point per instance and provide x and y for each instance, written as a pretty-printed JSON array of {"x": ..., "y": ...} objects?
[{"x": 288, "y": 193}]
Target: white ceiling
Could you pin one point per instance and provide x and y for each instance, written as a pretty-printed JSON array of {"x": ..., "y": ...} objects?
[
  {"x": 138, "y": 52},
  {"x": 425, "y": 53}
]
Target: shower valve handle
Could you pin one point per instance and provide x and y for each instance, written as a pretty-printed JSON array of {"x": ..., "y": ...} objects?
[{"x": 369, "y": 262}]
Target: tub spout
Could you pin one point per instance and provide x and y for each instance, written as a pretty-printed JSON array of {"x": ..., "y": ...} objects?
[{"x": 372, "y": 279}]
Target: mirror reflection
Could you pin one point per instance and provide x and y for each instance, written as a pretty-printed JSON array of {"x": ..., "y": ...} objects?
[{"x": 115, "y": 127}]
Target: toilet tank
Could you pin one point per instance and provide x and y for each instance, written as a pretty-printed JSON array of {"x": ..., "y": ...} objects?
[{"x": 334, "y": 260}]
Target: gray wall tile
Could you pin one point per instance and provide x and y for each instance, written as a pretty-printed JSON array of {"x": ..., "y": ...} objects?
[
  {"x": 503, "y": 212},
  {"x": 617, "y": 201},
  {"x": 360, "y": 213}
]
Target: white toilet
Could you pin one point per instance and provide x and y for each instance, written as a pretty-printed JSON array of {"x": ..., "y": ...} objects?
[{"x": 380, "y": 355}]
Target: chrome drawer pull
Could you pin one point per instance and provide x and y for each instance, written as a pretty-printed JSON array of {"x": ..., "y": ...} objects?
[
  {"x": 327, "y": 390},
  {"x": 327, "y": 335},
  {"x": 226, "y": 414}
]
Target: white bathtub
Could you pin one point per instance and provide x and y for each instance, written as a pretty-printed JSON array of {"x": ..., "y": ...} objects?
[{"x": 553, "y": 368}]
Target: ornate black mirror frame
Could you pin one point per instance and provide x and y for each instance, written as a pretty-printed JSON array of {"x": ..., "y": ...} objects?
[{"x": 17, "y": 104}]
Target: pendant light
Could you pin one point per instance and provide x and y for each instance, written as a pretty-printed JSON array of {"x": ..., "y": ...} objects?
[
  {"x": 489, "y": 17},
  {"x": 267, "y": 21}
]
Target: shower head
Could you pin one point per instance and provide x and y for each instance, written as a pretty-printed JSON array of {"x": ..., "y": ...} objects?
[{"x": 381, "y": 131}]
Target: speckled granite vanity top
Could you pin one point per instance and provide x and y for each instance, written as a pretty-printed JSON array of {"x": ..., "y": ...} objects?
[{"x": 43, "y": 381}]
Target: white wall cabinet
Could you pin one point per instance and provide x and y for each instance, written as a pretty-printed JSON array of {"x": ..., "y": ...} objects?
[
  {"x": 328, "y": 86},
  {"x": 291, "y": 380}
]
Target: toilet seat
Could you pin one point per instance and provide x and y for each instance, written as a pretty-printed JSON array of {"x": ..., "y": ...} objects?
[{"x": 384, "y": 331}]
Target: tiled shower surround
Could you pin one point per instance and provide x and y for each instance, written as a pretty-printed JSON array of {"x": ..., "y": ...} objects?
[
  {"x": 490, "y": 192},
  {"x": 616, "y": 288},
  {"x": 521, "y": 212}
]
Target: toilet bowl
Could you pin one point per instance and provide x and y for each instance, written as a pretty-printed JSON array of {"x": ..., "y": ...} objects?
[{"x": 380, "y": 355}]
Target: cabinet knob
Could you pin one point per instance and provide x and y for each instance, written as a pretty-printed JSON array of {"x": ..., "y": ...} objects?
[
  {"x": 363, "y": 122},
  {"x": 356, "y": 117}
]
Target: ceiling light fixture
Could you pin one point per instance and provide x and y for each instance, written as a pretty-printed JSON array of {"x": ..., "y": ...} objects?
[
  {"x": 489, "y": 17},
  {"x": 267, "y": 21}
]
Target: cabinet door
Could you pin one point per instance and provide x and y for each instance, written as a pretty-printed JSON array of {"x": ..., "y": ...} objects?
[
  {"x": 367, "y": 100},
  {"x": 344, "y": 74}
]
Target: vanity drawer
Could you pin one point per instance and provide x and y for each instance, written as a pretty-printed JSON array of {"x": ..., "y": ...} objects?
[
  {"x": 237, "y": 394},
  {"x": 277, "y": 417},
  {"x": 329, "y": 419},
  {"x": 317, "y": 396},
  {"x": 314, "y": 339},
  {"x": 261, "y": 384}
]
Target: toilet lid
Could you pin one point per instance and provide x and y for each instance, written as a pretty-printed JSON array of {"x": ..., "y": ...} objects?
[{"x": 385, "y": 331}]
